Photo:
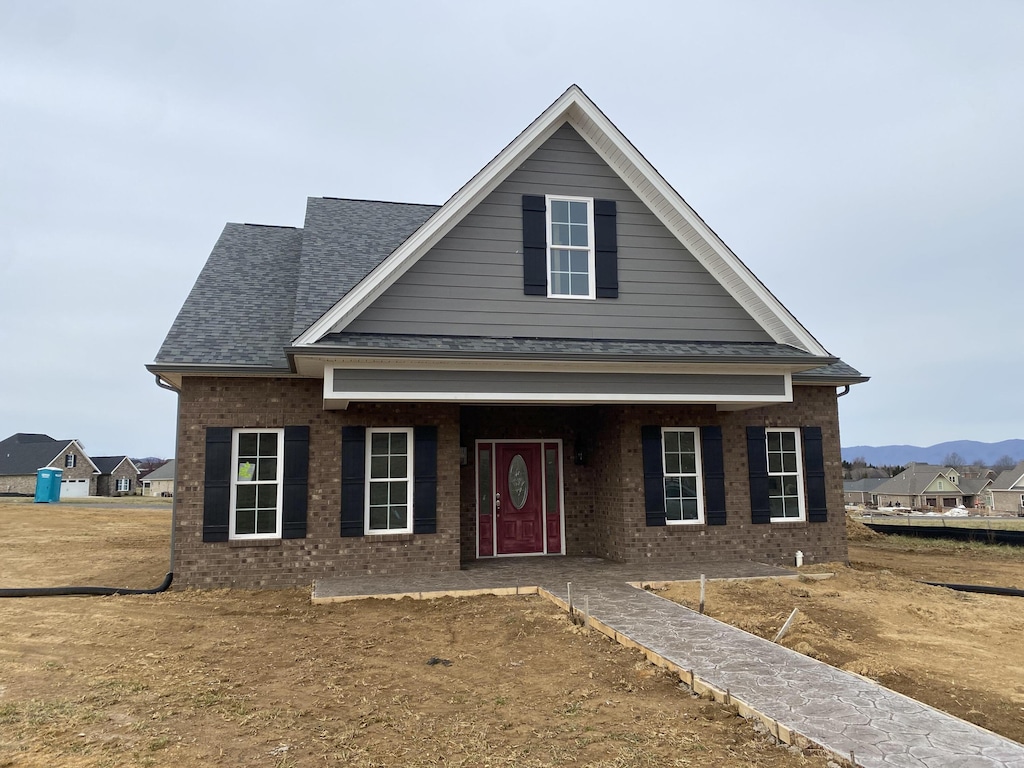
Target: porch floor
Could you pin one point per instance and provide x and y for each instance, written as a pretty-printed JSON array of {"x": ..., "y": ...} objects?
[{"x": 798, "y": 698}]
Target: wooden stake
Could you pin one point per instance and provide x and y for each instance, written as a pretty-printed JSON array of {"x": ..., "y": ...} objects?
[
  {"x": 568, "y": 595},
  {"x": 586, "y": 612},
  {"x": 785, "y": 627},
  {"x": 703, "y": 581}
]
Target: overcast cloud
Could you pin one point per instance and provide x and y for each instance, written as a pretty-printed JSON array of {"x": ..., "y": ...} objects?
[{"x": 864, "y": 159}]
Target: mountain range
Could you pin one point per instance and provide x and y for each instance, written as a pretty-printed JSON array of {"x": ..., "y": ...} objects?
[{"x": 971, "y": 450}]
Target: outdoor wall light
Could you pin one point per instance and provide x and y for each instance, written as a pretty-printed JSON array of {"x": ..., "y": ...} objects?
[{"x": 579, "y": 453}]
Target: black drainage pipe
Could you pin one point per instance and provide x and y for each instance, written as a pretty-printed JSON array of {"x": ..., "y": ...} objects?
[
  {"x": 61, "y": 591},
  {"x": 981, "y": 589}
]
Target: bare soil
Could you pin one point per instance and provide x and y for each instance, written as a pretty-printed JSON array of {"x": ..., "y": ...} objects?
[
  {"x": 956, "y": 651},
  {"x": 229, "y": 678}
]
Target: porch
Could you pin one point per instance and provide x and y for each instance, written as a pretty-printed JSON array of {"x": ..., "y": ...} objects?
[{"x": 525, "y": 575}]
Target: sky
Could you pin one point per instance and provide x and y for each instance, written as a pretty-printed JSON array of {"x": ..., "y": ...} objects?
[{"x": 864, "y": 159}]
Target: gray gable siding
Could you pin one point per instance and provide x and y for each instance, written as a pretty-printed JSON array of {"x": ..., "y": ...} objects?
[{"x": 471, "y": 283}]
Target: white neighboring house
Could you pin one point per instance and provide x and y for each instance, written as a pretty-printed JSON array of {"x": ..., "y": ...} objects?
[{"x": 159, "y": 482}]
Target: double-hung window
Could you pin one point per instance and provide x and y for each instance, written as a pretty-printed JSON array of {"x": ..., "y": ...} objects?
[
  {"x": 389, "y": 480},
  {"x": 785, "y": 481},
  {"x": 684, "y": 494},
  {"x": 69, "y": 460},
  {"x": 570, "y": 225},
  {"x": 256, "y": 483},
  {"x": 124, "y": 484}
]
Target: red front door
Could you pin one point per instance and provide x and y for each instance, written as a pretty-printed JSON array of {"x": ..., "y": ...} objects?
[{"x": 518, "y": 498}]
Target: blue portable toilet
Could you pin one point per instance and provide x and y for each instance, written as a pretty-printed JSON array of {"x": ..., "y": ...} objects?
[{"x": 48, "y": 484}]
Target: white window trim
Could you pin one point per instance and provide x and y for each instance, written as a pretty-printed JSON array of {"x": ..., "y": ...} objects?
[
  {"x": 126, "y": 481},
  {"x": 70, "y": 457},
  {"x": 665, "y": 474},
  {"x": 799, "y": 474},
  {"x": 234, "y": 483},
  {"x": 591, "y": 246},
  {"x": 409, "y": 477}
]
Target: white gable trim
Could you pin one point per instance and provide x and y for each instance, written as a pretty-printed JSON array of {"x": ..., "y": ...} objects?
[
  {"x": 63, "y": 453},
  {"x": 576, "y": 109}
]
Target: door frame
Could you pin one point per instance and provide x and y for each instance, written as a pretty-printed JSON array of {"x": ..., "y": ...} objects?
[{"x": 544, "y": 496}]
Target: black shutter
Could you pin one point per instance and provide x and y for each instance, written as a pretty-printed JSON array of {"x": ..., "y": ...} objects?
[
  {"x": 296, "y": 482},
  {"x": 714, "y": 474},
  {"x": 814, "y": 475},
  {"x": 217, "y": 484},
  {"x": 757, "y": 466},
  {"x": 654, "y": 478},
  {"x": 606, "y": 255},
  {"x": 535, "y": 246},
  {"x": 353, "y": 478},
  {"x": 424, "y": 494}
]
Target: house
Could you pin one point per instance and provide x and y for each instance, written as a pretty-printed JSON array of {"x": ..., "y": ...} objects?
[
  {"x": 160, "y": 481},
  {"x": 923, "y": 486},
  {"x": 862, "y": 491},
  {"x": 563, "y": 359},
  {"x": 1006, "y": 494},
  {"x": 118, "y": 475},
  {"x": 21, "y": 455}
]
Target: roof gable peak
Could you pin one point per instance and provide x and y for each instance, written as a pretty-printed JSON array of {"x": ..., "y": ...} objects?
[{"x": 575, "y": 108}]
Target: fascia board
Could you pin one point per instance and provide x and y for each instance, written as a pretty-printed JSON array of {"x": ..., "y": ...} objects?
[{"x": 443, "y": 220}]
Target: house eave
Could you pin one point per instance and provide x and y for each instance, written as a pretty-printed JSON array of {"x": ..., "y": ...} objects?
[{"x": 174, "y": 373}]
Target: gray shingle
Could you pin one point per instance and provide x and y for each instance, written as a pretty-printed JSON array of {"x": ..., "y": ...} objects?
[
  {"x": 240, "y": 309},
  {"x": 107, "y": 464},
  {"x": 536, "y": 348},
  {"x": 343, "y": 240},
  {"x": 24, "y": 453}
]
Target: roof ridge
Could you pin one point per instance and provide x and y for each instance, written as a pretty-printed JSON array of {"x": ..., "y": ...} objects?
[{"x": 368, "y": 200}]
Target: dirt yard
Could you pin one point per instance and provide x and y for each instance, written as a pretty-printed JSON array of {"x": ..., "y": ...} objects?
[
  {"x": 959, "y": 652},
  {"x": 238, "y": 678},
  {"x": 232, "y": 678}
]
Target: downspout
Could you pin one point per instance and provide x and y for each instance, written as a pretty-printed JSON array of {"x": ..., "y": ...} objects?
[
  {"x": 174, "y": 495},
  {"x": 80, "y": 590},
  {"x": 846, "y": 391}
]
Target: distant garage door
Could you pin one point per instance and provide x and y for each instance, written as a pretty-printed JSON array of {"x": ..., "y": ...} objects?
[{"x": 74, "y": 489}]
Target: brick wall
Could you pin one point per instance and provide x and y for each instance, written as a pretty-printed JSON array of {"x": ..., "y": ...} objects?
[
  {"x": 626, "y": 536},
  {"x": 272, "y": 403},
  {"x": 604, "y": 500}
]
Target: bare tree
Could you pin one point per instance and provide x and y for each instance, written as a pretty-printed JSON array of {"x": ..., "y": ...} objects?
[
  {"x": 1004, "y": 462},
  {"x": 954, "y": 460}
]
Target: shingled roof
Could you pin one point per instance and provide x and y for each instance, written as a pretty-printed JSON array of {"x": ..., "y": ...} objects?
[
  {"x": 24, "y": 453},
  {"x": 262, "y": 286}
]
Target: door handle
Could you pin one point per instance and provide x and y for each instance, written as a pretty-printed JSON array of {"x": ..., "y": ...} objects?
[{"x": 497, "y": 502}]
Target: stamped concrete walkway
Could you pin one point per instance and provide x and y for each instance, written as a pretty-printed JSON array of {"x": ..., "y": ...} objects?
[{"x": 799, "y": 699}]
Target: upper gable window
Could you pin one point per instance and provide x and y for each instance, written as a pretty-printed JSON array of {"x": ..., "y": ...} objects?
[
  {"x": 70, "y": 460},
  {"x": 570, "y": 227}
]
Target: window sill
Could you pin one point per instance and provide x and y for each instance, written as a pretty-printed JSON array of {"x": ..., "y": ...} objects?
[
  {"x": 789, "y": 522},
  {"x": 254, "y": 542},
  {"x": 383, "y": 538}
]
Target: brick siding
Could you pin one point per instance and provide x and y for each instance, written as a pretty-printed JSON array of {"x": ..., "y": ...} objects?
[{"x": 604, "y": 499}]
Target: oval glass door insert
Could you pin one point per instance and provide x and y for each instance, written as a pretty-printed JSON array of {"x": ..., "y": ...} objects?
[{"x": 518, "y": 481}]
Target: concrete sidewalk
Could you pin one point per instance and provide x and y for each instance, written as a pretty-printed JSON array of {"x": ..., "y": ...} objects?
[{"x": 799, "y": 699}]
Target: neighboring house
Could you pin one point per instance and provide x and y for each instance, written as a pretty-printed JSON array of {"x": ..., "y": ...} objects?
[
  {"x": 160, "y": 481},
  {"x": 21, "y": 455},
  {"x": 862, "y": 491},
  {"x": 118, "y": 475},
  {"x": 1006, "y": 494},
  {"x": 563, "y": 359},
  {"x": 923, "y": 486},
  {"x": 975, "y": 490}
]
